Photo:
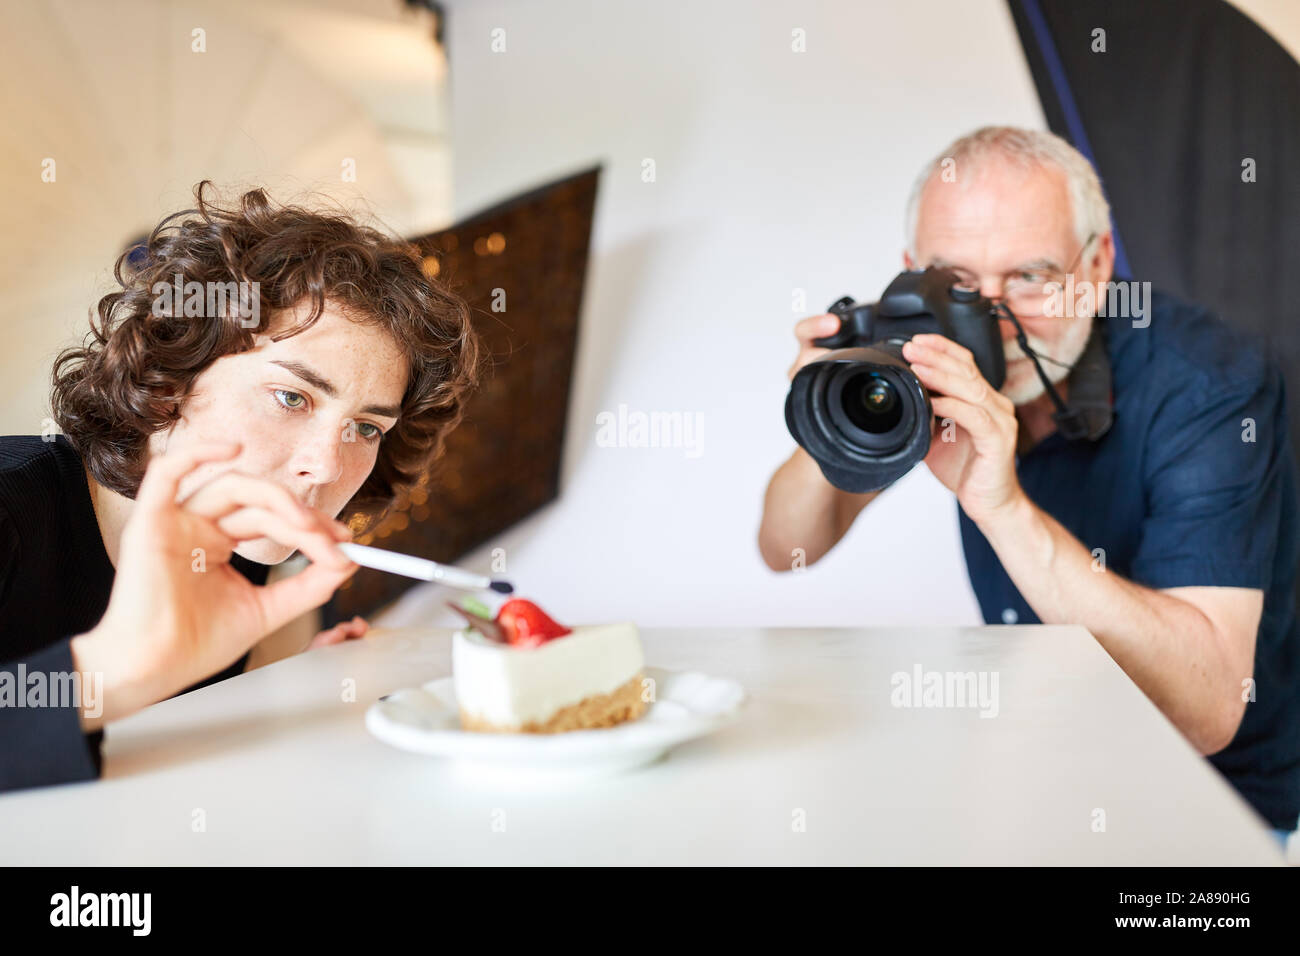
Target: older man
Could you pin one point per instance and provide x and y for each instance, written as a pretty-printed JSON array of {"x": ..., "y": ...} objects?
[{"x": 1170, "y": 531}]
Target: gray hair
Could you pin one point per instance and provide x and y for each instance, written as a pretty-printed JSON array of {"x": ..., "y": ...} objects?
[{"x": 1026, "y": 147}]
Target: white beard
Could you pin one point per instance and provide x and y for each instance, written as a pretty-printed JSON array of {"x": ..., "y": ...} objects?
[{"x": 1023, "y": 384}]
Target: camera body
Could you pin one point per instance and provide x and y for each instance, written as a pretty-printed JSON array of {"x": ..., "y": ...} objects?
[{"x": 860, "y": 411}]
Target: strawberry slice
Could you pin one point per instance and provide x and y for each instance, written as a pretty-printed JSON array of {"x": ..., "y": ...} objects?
[{"x": 527, "y": 625}]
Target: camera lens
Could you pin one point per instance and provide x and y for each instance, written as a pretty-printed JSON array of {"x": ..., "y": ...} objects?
[
  {"x": 863, "y": 416},
  {"x": 872, "y": 403}
]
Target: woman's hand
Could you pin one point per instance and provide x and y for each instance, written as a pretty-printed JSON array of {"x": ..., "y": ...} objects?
[{"x": 178, "y": 611}]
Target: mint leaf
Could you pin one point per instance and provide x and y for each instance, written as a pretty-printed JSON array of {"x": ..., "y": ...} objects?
[{"x": 475, "y": 606}]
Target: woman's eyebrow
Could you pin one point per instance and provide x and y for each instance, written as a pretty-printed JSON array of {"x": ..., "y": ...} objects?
[{"x": 316, "y": 380}]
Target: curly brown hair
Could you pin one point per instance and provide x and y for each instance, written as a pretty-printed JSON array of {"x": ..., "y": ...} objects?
[{"x": 130, "y": 376}]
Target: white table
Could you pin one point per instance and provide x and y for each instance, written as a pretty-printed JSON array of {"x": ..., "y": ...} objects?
[{"x": 280, "y": 769}]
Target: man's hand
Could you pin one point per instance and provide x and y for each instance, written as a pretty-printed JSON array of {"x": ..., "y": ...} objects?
[
  {"x": 805, "y": 330},
  {"x": 980, "y": 466},
  {"x": 346, "y": 631}
]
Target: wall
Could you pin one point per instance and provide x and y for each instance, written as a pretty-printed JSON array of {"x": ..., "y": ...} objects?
[
  {"x": 133, "y": 107},
  {"x": 775, "y": 172}
]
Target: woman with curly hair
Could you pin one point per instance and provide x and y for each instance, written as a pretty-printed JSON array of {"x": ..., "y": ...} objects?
[{"x": 263, "y": 375}]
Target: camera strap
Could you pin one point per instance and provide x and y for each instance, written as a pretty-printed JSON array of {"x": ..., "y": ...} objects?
[{"x": 1089, "y": 413}]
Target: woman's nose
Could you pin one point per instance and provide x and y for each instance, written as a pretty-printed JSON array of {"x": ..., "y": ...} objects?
[{"x": 320, "y": 456}]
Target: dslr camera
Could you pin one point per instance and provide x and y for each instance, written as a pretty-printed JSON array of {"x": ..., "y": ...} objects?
[{"x": 860, "y": 411}]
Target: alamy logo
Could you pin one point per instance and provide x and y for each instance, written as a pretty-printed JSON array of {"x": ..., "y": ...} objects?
[
  {"x": 638, "y": 429},
  {"x": 922, "y": 688},
  {"x": 21, "y": 688},
  {"x": 208, "y": 300},
  {"x": 102, "y": 909},
  {"x": 1115, "y": 300}
]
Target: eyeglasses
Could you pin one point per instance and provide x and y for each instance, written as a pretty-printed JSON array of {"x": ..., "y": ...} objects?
[{"x": 1025, "y": 291}]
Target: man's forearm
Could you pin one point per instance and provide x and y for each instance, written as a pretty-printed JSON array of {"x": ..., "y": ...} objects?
[
  {"x": 804, "y": 511},
  {"x": 797, "y": 513},
  {"x": 1168, "y": 647}
]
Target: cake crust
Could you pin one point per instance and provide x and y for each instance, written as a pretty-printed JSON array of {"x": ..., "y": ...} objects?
[{"x": 620, "y": 705}]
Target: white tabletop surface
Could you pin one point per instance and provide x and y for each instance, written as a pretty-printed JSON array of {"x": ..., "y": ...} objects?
[{"x": 276, "y": 767}]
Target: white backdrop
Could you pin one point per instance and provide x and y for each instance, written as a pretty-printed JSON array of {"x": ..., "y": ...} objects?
[{"x": 775, "y": 171}]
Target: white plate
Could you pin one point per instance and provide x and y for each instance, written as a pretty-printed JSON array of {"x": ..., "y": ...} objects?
[{"x": 687, "y": 705}]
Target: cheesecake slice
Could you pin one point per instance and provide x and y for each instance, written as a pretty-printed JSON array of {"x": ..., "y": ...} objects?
[{"x": 588, "y": 678}]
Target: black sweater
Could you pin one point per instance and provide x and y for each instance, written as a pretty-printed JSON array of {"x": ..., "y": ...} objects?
[{"x": 55, "y": 580}]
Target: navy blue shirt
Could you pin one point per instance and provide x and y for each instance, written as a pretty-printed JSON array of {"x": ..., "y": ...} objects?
[{"x": 1193, "y": 484}]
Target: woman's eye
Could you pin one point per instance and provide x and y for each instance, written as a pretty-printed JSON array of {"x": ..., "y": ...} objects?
[
  {"x": 290, "y": 399},
  {"x": 295, "y": 400}
]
